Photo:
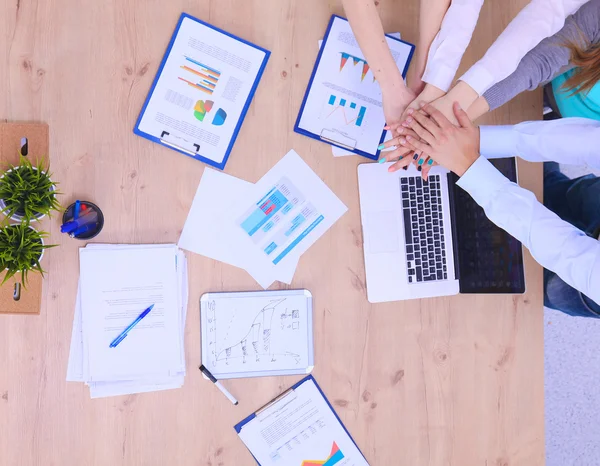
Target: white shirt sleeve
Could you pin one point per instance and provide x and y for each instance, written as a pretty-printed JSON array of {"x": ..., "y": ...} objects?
[
  {"x": 554, "y": 243},
  {"x": 571, "y": 141},
  {"x": 538, "y": 20},
  {"x": 450, "y": 43}
]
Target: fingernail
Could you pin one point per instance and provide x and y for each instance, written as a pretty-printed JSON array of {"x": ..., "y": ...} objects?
[
  {"x": 421, "y": 161},
  {"x": 405, "y": 167},
  {"x": 400, "y": 130},
  {"x": 405, "y": 124},
  {"x": 416, "y": 156},
  {"x": 409, "y": 120},
  {"x": 386, "y": 127},
  {"x": 422, "y": 104},
  {"x": 430, "y": 162},
  {"x": 381, "y": 160},
  {"x": 381, "y": 147},
  {"x": 410, "y": 111},
  {"x": 419, "y": 168},
  {"x": 402, "y": 141},
  {"x": 408, "y": 138},
  {"x": 458, "y": 106}
]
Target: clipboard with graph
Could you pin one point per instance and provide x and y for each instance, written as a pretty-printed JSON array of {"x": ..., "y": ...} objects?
[
  {"x": 299, "y": 427},
  {"x": 202, "y": 91},
  {"x": 343, "y": 105},
  {"x": 257, "y": 334}
]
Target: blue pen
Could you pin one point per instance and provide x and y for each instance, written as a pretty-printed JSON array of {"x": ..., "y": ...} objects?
[
  {"x": 124, "y": 333},
  {"x": 83, "y": 229},
  {"x": 76, "y": 209}
]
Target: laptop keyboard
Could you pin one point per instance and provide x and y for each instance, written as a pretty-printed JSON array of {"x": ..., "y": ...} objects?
[{"x": 424, "y": 229}]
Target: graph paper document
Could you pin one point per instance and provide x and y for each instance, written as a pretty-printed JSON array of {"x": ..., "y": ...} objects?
[
  {"x": 343, "y": 103},
  {"x": 299, "y": 428},
  {"x": 254, "y": 334}
]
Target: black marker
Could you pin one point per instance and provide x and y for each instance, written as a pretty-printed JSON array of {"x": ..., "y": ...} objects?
[{"x": 211, "y": 377}]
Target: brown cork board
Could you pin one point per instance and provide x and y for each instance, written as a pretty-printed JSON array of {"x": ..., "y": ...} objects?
[{"x": 38, "y": 147}]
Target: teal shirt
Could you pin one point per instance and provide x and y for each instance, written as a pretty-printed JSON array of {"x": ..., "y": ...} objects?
[{"x": 583, "y": 104}]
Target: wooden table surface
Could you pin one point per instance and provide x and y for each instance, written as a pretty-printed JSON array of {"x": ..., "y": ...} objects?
[{"x": 452, "y": 381}]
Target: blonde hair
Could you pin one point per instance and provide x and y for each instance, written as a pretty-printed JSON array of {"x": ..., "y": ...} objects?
[{"x": 586, "y": 59}]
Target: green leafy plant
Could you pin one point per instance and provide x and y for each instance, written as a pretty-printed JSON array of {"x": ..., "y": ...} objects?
[
  {"x": 21, "y": 249},
  {"x": 28, "y": 191}
]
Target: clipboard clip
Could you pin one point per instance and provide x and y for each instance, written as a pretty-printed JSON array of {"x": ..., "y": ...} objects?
[
  {"x": 274, "y": 400},
  {"x": 337, "y": 138},
  {"x": 167, "y": 140}
]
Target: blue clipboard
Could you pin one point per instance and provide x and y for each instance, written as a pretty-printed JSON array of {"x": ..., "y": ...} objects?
[
  {"x": 238, "y": 427},
  {"x": 199, "y": 157},
  {"x": 304, "y": 132}
]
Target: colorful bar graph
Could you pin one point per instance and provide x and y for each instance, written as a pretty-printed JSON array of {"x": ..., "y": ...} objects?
[{"x": 197, "y": 86}]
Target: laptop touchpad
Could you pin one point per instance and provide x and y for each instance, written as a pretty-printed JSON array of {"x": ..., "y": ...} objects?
[{"x": 382, "y": 229}]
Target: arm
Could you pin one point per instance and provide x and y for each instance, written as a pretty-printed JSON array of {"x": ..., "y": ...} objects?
[
  {"x": 545, "y": 61},
  {"x": 538, "y": 20},
  {"x": 431, "y": 14},
  {"x": 554, "y": 243},
  {"x": 572, "y": 141},
  {"x": 367, "y": 29},
  {"x": 451, "y": 42}
]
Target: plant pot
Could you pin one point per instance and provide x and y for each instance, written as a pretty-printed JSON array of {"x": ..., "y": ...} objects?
[
  {"x": 19, "y": 217},
  {"x": 41, "y": 239}
]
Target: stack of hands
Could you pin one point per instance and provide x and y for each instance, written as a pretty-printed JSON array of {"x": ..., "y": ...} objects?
[{"x": 431, "y": 129}]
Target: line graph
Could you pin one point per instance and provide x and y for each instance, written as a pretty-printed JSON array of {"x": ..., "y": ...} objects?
[
  {"x": 350, "y": 113},
  {"x": 254, "y": 342}
]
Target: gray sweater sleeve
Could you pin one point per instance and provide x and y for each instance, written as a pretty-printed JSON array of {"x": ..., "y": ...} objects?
[{"x": 550, "y": 58}]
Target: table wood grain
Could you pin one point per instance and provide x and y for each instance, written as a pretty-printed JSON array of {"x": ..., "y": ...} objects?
[{"x": 452, "y": 381}]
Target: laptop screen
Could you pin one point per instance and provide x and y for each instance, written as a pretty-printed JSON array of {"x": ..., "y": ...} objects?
[{"x": 488, "y": 260}]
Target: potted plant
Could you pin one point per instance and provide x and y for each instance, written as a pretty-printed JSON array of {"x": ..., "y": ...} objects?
[
  {"x": 21, "y": 250},
  {"x": 27, "y": 191}
]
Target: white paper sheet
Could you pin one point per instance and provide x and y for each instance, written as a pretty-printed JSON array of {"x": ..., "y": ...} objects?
[
  {"x": 298, "y": 428},
  {"x": 204, "y": 85},
  {"x": 344, "y": 103},
  {"x": 281, "y": 216},
  {"x": 75, "y": 370},
  {"x": 116, "y": 285},
  {"x": 257, "y": 334},
  {"x": 202, "y": 234}
]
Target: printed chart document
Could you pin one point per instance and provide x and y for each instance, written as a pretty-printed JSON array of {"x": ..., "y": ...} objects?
[
  {"x": 339, "y": 152},
  {"x": 112, "y": 292},
  {"x": 254, "y": 334},
  {"x": 299, "y": 428},
  {"x": 202, "y": 91},
  {"x": 201, "y": 234},
  {"x": 283, "y": 214},
  {"x": 343, "y": 104}
]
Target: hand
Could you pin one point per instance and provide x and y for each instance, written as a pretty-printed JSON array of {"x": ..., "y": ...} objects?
[
  {"x": 461, "y": 93},
  {"x": 395, "y": 103},
  {"x": 429, "y": 94},
  {"x": 399, "y": 153},
  {"x": 455, "y": 147}
]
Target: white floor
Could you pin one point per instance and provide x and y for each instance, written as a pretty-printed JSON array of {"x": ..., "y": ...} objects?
[{"x": 572, "y": 366}]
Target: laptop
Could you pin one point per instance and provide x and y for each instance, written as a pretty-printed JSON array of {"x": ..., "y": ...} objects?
[{"x": 430, "y": 239}]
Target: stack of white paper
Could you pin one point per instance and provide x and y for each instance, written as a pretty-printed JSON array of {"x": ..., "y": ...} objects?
[
  {"x": 262, "y": 228},
  {"x": 117, "y": 283}
]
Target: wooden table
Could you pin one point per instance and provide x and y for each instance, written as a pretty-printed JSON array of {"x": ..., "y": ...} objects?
[{"x": 454, "y": 381}]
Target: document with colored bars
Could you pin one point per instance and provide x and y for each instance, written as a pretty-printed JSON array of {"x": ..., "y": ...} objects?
[
  {"x": 202, "y": 92},
  {"x": 343, "y": 103},
  {"x": 299, "y": 428}
]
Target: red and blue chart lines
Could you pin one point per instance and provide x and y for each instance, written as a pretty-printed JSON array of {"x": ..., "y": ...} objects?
[{"x": 205, "y": 77}]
